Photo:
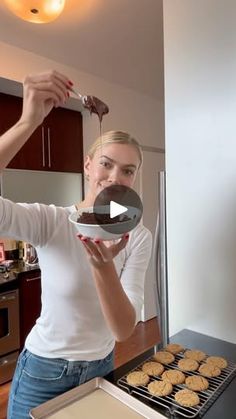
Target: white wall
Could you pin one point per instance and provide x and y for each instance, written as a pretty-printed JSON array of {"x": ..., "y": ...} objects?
[{"x": 200, "y": 108}]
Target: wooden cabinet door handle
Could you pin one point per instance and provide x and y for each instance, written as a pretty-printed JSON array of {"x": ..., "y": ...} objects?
[
  {"x": 49, "y": 147},
  {"x": 43, "y": 146},
  {"x": 33, "y": 279}
]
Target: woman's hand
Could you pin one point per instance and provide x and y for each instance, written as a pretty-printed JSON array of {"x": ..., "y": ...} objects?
[
  {"x": 41, "y": 92},
  {"x": 98, "y": 253}
]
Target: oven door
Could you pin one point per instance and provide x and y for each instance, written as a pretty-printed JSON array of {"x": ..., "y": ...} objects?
[{"x": 9, "y": 322}]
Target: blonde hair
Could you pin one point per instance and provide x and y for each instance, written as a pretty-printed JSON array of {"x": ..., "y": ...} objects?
[{"x": 118, "y": 137}]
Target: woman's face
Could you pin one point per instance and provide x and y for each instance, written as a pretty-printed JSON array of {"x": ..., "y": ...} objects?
[{"x": 112, "y": 164}]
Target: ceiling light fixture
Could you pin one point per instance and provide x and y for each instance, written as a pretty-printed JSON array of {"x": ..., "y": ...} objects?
[{"x": 36, "y": 11}]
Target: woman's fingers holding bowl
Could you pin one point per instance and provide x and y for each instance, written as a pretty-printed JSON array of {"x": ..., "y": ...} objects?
[
  {"x": 109, "y": 252},
  {"x": 98, "y": 251},
  {"x": 100, "y": 254},
  {"x": 90, "y": 247},
  {"x": 117, "y": 247}
]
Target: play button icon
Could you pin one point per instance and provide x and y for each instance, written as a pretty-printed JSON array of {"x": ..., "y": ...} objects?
[{"x": 118, "y": 209}]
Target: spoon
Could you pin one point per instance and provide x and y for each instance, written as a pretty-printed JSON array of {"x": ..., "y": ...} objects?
[
  {"x": 82, "y": 98},
  {"x": 93, "y": 104}
]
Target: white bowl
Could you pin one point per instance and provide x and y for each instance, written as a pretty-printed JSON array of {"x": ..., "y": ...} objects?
[{"x": 117, "y": 230}]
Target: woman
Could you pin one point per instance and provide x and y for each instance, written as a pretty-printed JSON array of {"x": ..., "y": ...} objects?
[{"x": 92, "y": 291}]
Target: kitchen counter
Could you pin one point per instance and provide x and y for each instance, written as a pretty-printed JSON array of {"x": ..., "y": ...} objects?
[
  {"x": 18, "y": 269},
  {"x": 225, "y": 406},
  {"x": 21, "y": 266}
]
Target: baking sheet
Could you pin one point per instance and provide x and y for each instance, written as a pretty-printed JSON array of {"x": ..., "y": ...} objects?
[
  {"x": 98, "y": 399},
  {"x": 99, "y": 405}
]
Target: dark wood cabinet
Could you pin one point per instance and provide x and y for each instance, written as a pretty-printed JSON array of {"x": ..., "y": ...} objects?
[
  {"x": 30, "y": 302},
  {"x": 56, "y": 145},
  {"x": 10, "y": 111},
  {"x": 29, "y": 157},
  {"x": 63, "y": 138}
]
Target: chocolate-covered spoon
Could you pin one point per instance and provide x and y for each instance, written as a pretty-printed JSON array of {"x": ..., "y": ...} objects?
[{"x": 93, "y": 104}]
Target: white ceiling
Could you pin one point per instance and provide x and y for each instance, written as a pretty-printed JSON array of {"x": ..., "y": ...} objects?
[{"x": 117, "y": 40}]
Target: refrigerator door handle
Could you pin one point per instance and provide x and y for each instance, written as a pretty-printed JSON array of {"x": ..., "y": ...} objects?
[
  {"x": 160, "y": 248},
  {"x": 156, "y": 265},
  {"x": 156, "y": 276}
]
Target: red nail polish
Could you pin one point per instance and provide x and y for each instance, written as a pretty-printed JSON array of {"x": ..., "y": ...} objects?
[
  {"x": 85, "y": 240},
  {"x": 71, "y": 83},
  {"x": 68, "y": 94},
  {"x": 97, "y": 241},
  {"x": 126, "y": 236},
  {"x": 79, "y": 236}
]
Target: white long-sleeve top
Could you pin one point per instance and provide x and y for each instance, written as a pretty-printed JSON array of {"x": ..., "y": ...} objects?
[{"x": 71, "y": 324}]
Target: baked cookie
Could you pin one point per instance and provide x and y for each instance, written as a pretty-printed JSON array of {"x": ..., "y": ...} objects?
[
  {"x": 197, "y": 383},
  {"x": 187, "y": 398},
  {"x": 209, "y": 370},
  {"x": 164, "y": 357},
  {"x": 218, "y": 361},
  {"x": 173, "y": 376},
  {"x": 160, "y": 388},
  {"x": 137, "y": 378},
  {"x": 174, "y": 348},
  {"x": 153, "y": 368},
  {"x": 195, "y": 354},
  {"x": 188, "y": 364}
]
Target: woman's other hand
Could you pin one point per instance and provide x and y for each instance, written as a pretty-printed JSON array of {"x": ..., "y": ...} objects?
[
  {"x": 98, "y": 253},
  {"x": 41, "y": 92}
]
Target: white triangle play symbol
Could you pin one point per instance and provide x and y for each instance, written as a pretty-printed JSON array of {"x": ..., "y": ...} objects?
[{"x": 116, "y": 209}]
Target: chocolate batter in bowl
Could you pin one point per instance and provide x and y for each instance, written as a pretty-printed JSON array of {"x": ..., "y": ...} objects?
[{"x": 96, "y": 222}]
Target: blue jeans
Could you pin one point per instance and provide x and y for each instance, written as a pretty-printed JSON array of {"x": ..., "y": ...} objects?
[{"x": 39, "y": 379}]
